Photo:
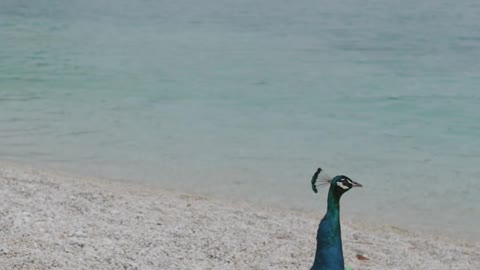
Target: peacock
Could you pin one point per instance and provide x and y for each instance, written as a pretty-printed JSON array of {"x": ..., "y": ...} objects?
[{"x": 329, "y": 253}]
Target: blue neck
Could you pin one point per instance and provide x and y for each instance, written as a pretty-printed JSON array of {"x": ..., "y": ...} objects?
[{"x": 329, "y": 253}]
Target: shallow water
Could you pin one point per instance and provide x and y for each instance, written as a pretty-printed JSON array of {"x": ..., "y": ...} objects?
[{"x": 245, "y": 99}]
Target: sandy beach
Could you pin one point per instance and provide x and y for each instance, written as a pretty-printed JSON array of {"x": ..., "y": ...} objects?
[{"x": 50, "y": 220}]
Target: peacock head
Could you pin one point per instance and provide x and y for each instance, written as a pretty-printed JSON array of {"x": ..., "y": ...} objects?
[
  {"x": 339, "y": 184},
  {"x": 342, "y": 184}
]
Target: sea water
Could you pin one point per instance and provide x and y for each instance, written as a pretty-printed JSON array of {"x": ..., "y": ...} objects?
[{"x": 245, "y": 99}]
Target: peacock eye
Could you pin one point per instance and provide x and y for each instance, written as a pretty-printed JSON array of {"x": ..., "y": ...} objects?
[{"x": 342, "y": 185}]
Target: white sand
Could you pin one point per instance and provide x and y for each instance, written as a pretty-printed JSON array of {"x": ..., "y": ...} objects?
[{"x": 53, "y": 221}]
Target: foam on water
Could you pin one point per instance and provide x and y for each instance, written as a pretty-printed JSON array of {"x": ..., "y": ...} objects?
[{"x": 246, "y": 99}]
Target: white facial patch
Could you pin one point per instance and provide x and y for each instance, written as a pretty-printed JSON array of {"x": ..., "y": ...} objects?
[
  {"x": 340, "y": 184},
  {"x": 349, "y": 181}
]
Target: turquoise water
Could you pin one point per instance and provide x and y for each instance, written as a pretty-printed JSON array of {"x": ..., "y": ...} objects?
[{"x": 245, "y": 99}]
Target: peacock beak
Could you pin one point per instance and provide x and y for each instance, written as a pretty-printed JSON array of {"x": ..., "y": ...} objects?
[{"x": 355, "y": 184}]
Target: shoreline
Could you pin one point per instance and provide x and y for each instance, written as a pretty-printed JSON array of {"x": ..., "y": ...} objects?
[{"x": 52, "y": 220}]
